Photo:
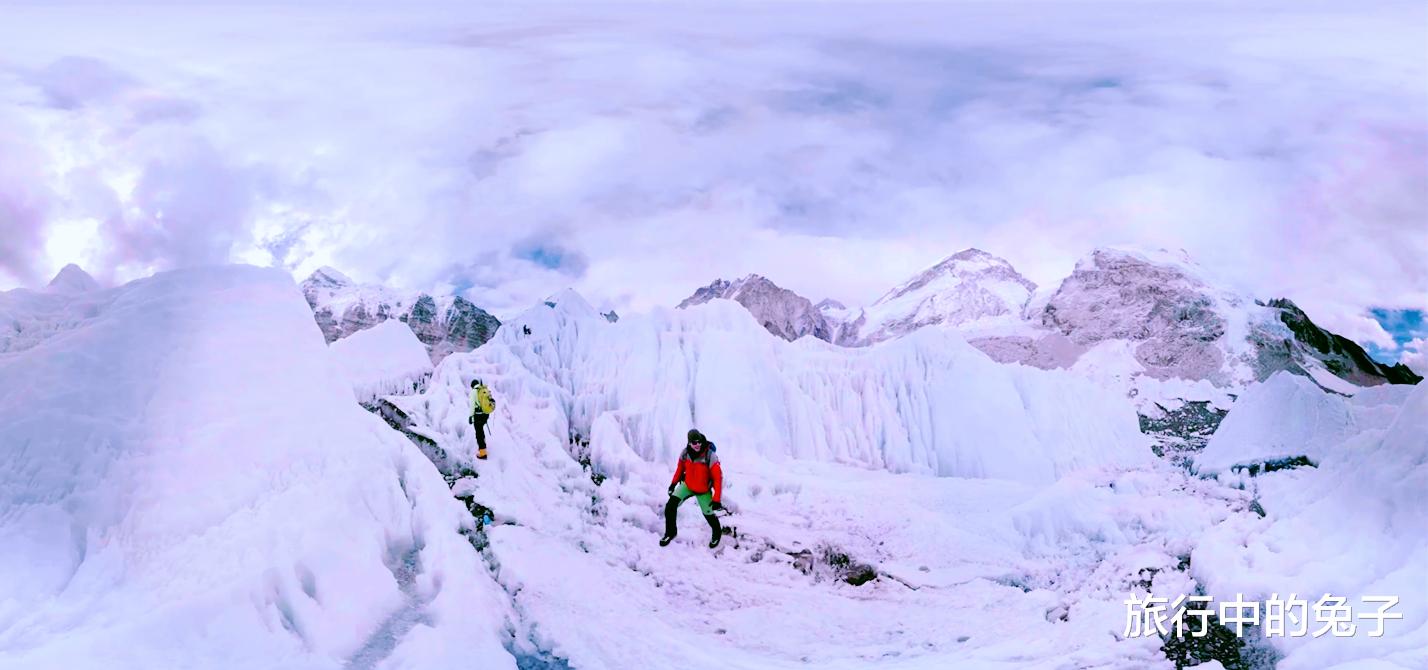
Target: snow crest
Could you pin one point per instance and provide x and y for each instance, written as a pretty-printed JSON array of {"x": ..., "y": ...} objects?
[
  {"x": 187, "y": 482},
  {"x": 386, "y": 359}
]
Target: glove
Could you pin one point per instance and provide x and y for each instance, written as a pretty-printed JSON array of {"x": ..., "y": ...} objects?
[
  {"x": 671, "y": 489},
  {"x": 471, "y": 420},
  {"x": 716, "y": 506}
]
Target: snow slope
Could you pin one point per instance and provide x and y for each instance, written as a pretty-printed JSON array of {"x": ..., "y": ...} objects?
[
  {"x": 1354, "y": 526},
  {"x": 382, "y": 360},
  {"x": 1286, "y": 416},
  {"x": 186, "y": 482},
  {"x": 971, "y": 572}
]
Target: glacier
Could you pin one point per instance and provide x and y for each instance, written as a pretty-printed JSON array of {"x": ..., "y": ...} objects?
[
  {"x": 187, "y": 479},
  {"x": 382, "y": 360}
]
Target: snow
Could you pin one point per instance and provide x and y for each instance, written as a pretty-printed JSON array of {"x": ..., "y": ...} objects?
[
  {"x": 382, "y": 360},
  {"x": 187, "y": 482},
  {"x": 927, "y": 403},
  {"x": 1329, "y": 380},
  {"x": 72, "y": 279},
  {"x": 1355, "y": 526},
  {"x": 971, "y": 289},
  {"x": 1286, "y": 416},
  {"x": 971, "y": 562}
]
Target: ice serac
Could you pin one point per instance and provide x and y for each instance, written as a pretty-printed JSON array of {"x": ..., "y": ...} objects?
[
  {"x": 382, "y": 360},
  {"x": 187, "y": 482},
  {"x": 927, "y": 403},
  {"x": 968, "y": 286},
  {"x": 444, "y": 324},
  {"x": 780, "y": 311},
  {"x": 1286, "y": 417}
]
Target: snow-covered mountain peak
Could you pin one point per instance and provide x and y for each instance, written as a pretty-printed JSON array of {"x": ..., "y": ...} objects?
[
  {"x": 72, "y": 279},
  {"x": 780, "y": 311},
  {"x": 329, "y": 277},
  {"x": 970, "y": 285},
  {"x": 570, "y": 302}
]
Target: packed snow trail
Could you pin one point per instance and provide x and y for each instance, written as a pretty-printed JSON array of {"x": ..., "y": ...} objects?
[{"x": 188, "y": 482}]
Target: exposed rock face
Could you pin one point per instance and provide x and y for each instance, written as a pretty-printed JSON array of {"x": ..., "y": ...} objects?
[
  {"x": 781, "y": 311},
  {"x": 971, "y": 285},
  {"x": 611, "y": 316},
  {"x": 1116, "y": 295},
  {"x": 445, "y": 324},
  {"x": 1182, "y": 325},
  {"x": 1340, "y": 355}
]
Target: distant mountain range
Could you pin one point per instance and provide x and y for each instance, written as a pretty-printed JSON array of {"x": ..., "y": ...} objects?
[
  {"x": 1154, "y": 314},
  {"x": 444, "y": 323}
]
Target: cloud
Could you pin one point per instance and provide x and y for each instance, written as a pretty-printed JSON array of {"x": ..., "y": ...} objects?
[
  {"x": 545, "y": 250},
  {"x": 24, "y": 204},
  {"x": 1403, "y": 335},
  {"x": 1414, "y": 354},
  {"x": 72, "y": 82},
  {"x": 637, "y": 153}
]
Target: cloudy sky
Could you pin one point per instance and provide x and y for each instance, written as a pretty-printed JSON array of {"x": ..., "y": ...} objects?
[{"x": 636, "y": 152}]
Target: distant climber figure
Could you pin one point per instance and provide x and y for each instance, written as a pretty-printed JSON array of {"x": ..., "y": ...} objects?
[
  {"x": 526, "y": 329},
  {"x": 482, "y": 404},
  {"x": 699, "y": 475}
]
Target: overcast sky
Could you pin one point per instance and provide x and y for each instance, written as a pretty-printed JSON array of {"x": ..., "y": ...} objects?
[{"x": 636, "y": 153}]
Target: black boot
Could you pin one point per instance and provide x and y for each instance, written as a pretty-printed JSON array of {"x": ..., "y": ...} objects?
[
  {"x": 671, "y": 521},
  {"x": 714, "y": 526}
]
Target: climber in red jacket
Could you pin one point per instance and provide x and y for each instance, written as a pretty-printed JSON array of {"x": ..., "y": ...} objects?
[{"x": 698, "y": 475}]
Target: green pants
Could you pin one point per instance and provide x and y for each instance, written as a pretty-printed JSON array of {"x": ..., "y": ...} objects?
[{"x": 706, "y": 499}]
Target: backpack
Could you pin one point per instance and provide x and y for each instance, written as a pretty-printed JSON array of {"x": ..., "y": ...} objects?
[{"x": 484, "y": 401}]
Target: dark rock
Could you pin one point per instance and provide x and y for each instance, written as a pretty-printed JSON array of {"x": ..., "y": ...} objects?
[
  {"x": 1340, "y": 355},
  {"x": 781, "y": 311}
]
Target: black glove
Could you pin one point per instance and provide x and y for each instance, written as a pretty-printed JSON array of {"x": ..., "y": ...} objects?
[
  {"x": 671, "y": 489},
  {"x": 471, "y": 419},
  {"x": 716, "y": 506}
]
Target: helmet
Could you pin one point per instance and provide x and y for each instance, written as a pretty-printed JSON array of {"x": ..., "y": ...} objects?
[
  {"x": 696, "y": 437},
  {"x": 475, "y": 383}
]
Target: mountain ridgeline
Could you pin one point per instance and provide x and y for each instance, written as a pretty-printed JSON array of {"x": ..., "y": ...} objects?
[
  {"x": 1159, "y": 309},
  {"x": 444, "y": 324}
]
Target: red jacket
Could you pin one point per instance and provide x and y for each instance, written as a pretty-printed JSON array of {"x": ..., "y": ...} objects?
[{"x": 700, "y": 472}]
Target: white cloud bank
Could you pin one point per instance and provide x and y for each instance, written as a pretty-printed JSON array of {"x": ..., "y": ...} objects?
[{"x": 636, "y": 152}]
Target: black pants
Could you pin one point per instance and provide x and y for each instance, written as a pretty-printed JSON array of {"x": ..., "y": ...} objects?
[
  {"x": 478, "y": 422},
  {"x": 671, "y": 519}
]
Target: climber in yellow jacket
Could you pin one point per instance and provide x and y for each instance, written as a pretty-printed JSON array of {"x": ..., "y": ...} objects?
[{"x": 482, "y": 404}]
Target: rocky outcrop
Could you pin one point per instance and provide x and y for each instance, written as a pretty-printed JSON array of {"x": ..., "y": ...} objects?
[
  {"x": 444, "y": 324},
  {"x": 781, "y": 311},
  {"x": 1173, "y": 316},
  {"x": 1339, "y": 354}
]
